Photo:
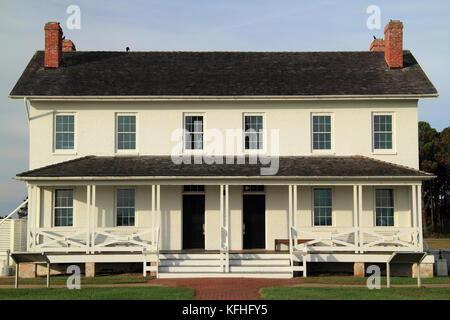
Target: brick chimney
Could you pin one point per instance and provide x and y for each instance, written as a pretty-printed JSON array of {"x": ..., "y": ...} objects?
[
  {"x": 377, "y": 45},
  {"x": 393, "y": 40},
  {"x": 53, "y": 45},
  {"x": 68, "y": 46}
]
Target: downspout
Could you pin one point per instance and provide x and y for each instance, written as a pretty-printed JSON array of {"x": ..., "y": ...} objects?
[{"x": 25, "y": 101}]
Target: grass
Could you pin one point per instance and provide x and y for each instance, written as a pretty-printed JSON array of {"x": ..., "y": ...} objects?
[
  {"x": 436, "y": 244},
  {"x": 112, "y": 293},
  {"x": 346, "y": 293},
  {"x": 350, "y": 280},
  {"x": 107, "y": 279}
]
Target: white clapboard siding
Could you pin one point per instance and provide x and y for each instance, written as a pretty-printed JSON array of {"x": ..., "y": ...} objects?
[{"x": 13, "y": 237}]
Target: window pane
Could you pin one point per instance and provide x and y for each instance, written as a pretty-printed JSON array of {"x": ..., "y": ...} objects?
[
  {"x": 194, "y": 132},
  {"x": 382, "y": 127},
  {"x": 253, "y": 127},
  {"x": 321, "y": 132},
  {"x": 125, "y": 207},
  {"x": 322, "y": 207},
  {"x": 126, "y": 132},
  {"x": 384, "y": 203},
  {"x": 64, "y": 132},
  {"x": 63, "y": 208}
]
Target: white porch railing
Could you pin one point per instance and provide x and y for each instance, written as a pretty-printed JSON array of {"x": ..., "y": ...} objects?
[
  {"x": 99, "y": 240},
  {"x": 356, "y": 240}
]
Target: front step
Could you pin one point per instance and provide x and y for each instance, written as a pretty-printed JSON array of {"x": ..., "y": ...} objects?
[
  {"x": 268, "y": 275},
  {"x": 241, "y": 265}
]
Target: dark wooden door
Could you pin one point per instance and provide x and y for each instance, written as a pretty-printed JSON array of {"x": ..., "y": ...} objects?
[
  {"x": 193, "y": 220},
  {"x": 255, "y": 221}
]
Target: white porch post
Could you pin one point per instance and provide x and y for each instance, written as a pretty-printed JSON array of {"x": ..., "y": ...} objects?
[
  {"x": 93, "y": 218},
  {"x": 355, "y": 217},
  {"x": 38, "y": 209},
  {"x": 154, "y": 215},
  {"x": 361, "y": 232},
  {"x": 414, "y": 212},
  {"x": 227, "y": 227},
  {"x": 30, "y": 231},
  {"x": 158, "y": 212},
  {"x": 88, "y": 220},
  {"x": 419, "y": 216},
  {"x": 290, "y": 221},
  {"x": 294, "y": 212}
]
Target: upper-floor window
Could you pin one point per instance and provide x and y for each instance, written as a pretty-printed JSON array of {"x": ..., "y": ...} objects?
[
  {"x": 193, "y": 125},
  {"x": 321, "y": 132},
  {"x": 126, "y": 132},
  {"x": 382, "y": 132},
  {"x": 64, "y": 132},
  {"x": 125, "y": 207},
  {"x": 384, "y": 207},
  {"x": 322, "y": 206},
  {"x": 63, "y": 208},
  {"x": 253, "y": 132}
]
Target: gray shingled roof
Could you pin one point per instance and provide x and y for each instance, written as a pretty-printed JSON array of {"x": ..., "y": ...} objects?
[
  {"x": 163, "y": 166},
  {"x": 222, "y": 74}
]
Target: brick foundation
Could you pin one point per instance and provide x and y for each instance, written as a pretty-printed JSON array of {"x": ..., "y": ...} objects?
[
  {"x": 89, "y": 269},
  {"x": 359, "y": 270},
  {"x": 426, "y": 270},
  {"x": 27, "y": 270}
]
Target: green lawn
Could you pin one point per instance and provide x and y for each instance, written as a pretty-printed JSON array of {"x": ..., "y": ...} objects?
[
  {"x": 346, "y": 293},
  {"x": 350, "y": 280},
  {"x": 110, "y": 279},
  {"x": 111, "y": 293}
]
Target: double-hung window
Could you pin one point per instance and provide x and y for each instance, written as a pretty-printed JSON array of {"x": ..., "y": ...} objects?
[
  {"x": 382, "y": 132},
  {"x": 253, "y": 132},
  {"x": 384, "y": 207},
  {"x": 64, "y": 132},
  {"x": 126, "y": 132},
  {"x": 193, "y": 138},
  {"x": 125, "y": 207},
  {"x": 323, "y": 210},
  {"x": 321, "y": 132},
  {"x": 63, "y": 208}
]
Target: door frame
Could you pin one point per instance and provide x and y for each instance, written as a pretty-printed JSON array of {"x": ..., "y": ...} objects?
[
  {"x": 264, "y": 193},
  {"x": 187, "y": 193}
]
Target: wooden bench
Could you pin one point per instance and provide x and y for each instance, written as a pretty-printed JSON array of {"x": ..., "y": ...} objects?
[{"x": 286, "y": 241}]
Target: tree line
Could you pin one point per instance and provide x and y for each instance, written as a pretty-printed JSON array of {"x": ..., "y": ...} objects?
[{"x": 434, "y": 157}]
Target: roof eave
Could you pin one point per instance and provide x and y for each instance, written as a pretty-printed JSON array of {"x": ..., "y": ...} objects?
[{"x": 228, "y": 98}]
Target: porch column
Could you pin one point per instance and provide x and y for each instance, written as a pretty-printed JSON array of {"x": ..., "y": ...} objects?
[
  {"x": 361, "y": 232},
  {"x": 93, "y": 218},
  {"x": 88, "y": 220},
  {"x": 158, "y": 214},
  {"x": 154, "y": 236},
  {"x": 30, "y": 227},
  {"x": 227, "y": 227},
  {"x": 414, "y": 211},
  {"x": 419, "y": 215},
  {"x": 290, "y": 214},
  {"x": 355, "y": 217},
  {"x": 38, "y": 212}
]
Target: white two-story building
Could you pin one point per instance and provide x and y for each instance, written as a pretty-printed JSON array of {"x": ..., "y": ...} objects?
[{"x": 200, "y": 164}]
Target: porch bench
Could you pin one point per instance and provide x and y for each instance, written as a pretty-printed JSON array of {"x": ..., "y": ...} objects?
[{"x": 286, "y": 241}]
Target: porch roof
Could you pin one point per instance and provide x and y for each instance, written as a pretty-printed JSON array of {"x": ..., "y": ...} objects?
[{"x": 163, "y": 166}]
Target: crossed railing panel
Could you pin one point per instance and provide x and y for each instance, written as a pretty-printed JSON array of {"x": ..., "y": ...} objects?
[
  {"x": 102, "y": 239},
  {"x": 350, "y": 239}
]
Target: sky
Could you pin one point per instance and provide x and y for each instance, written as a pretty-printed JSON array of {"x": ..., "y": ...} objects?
[{"x": 209, "y": 25}]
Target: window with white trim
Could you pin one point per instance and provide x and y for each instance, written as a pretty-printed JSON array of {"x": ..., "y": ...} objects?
[
  {"x": 321, "y": 132},
  {"x": 126, "y": 132},
  {"x": 384, "y": 207},
  {"x": 323, "y": 210},
  {"x": 63, "y": 210},
  {"x": 382, "y": 132},
  {"x": 193, "y": 138},
  {"x": 64, "y": 132},
  {"x": 253, "y": 132},
  {"x": 125, "y": 207}
]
